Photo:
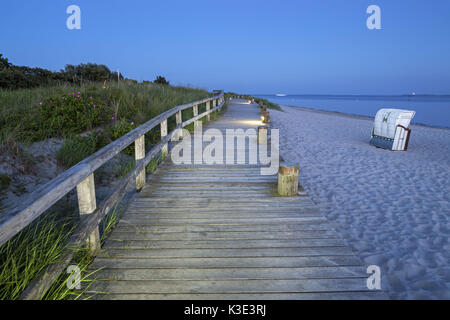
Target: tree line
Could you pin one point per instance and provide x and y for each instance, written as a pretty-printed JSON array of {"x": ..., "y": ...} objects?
[{"x": 18, "y": 77}]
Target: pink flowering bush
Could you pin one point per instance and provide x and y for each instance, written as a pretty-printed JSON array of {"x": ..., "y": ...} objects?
[{"x": 66, "y": 116}]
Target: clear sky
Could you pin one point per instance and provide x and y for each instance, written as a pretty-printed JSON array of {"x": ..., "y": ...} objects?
[{"x": 261, "y": 46}]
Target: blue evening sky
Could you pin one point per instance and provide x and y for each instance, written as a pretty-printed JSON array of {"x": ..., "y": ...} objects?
[{"x": 264, "y": 46}]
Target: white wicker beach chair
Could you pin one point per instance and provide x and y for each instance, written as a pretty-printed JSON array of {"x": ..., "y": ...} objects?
[{"x": 390, "y": 129}]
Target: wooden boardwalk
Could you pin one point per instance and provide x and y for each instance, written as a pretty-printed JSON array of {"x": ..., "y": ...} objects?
[{"x": 221, "y": 232}]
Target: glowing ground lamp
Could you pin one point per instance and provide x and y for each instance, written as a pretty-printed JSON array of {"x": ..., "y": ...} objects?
[{"x": 265, "y": 118}]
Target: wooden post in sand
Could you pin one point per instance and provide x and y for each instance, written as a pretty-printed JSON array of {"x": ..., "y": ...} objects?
[
  {"x": 262, "y": 135},
  {"x": 263, "y": 109},
  {"x": 288, "y": 179},
  {"x": 266, "y": 117}
]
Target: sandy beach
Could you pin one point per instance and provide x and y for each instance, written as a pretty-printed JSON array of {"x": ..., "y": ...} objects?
[{"x": 392, "y": 208}]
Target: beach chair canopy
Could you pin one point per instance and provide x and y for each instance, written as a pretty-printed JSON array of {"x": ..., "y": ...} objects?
[{"x": 390, "y": 129}]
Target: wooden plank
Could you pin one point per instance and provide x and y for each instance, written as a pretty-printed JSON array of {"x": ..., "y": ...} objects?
[
  {"x": 219, "y": 244},
  {"x": 271, "y": 201},
  {"x": 220, "y": 221},
  {"x": 232, "y": 286},
  {"x": 125, "y": 227},
  {"x": 192, "y": 217},
  {"x": 231, "y": 273},
  {"x": 233, "y": 252},
  {"x": 227, "y": 210},
  {"x": 227, "y": 262},
  {"x": 348, "y": 295},
  {"x": 117, "y": 235}
]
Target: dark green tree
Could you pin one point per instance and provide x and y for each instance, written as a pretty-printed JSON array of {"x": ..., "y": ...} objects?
[{"x": 161, "y": 80}]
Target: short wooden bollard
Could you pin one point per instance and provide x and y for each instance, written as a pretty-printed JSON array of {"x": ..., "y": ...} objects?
[
  {"x": 288, "y": 179},
  {"x": 263, "y": 109},
  {"x": 262, "y": 135},
  {"x": 266, "y": 117}
]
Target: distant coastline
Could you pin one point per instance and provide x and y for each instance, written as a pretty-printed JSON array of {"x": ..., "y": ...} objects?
[
  {"x": 355, "y": 116},
  {"x": 361, "y": 96},
  {"x": 357, "y": 95},
  {"x": 431, "y": 110}
]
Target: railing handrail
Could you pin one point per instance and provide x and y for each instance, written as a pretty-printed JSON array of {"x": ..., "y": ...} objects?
[{"x": 44, "y": 197}]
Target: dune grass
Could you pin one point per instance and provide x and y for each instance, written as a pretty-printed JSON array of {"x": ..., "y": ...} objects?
[
  {"x": 127, "y": 101},
  {"x": 268, "y": 104},
  {"x": 27, "y": 254},
  {"x": 41, "y": 243}
]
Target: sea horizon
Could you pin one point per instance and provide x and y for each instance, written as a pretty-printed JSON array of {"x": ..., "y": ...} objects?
[{"x": 431, "y": 109}]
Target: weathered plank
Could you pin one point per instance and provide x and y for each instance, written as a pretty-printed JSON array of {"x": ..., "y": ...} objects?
[
  {"x": 233, "y": 286},
  {"x": 250, "y": 235},
  {"x": 341, "y": 295},
  {"x": 227, "y": 252},
  {"x": 320, "y": 225},
  {"x": 227, "y": 262},
  {"x": 220, "y": 244},
  {"x": 228, "y": 273}
]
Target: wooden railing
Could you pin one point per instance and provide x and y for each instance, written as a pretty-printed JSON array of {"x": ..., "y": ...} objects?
[{"x": 81, "y": 177}]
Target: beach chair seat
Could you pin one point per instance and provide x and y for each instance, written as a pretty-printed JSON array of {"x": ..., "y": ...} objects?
[{"x": 390, "y": 129}]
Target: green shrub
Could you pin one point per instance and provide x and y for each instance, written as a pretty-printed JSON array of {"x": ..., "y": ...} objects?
[
  {"x": 20, "y": 110},
  {"x": 119, "y": 129},
  {"x": 76, "y": 149},
  {"x": 5, "y": 180},
  {"x": 65, "y": 116},
  {"x": 161, "y": 80},
  {"x": 268, "y": 104}
]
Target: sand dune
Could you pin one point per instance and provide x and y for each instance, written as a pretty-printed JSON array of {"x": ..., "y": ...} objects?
[{"x": 393, "y": 208}]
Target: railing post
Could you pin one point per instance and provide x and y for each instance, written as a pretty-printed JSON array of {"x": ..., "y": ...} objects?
[
  {"x": 208, "y": 107},
  {"x": 87, "y": 205},
  {"x": 165, "y": 148},
  {"x": 179, "y": 119},
  {"x": 139, "y": 153},
  {"x": 214, "y": 103},
  {"x": 196, "y": 122}
]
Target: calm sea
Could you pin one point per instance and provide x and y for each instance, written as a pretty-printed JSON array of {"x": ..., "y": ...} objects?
[{"x": 430, "y": 110}]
